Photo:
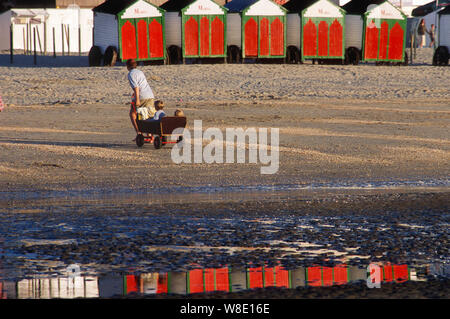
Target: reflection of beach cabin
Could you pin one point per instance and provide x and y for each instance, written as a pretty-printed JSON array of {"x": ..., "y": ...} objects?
[
  {"x": 375, "y": 31},
  {"x": 315, "y": 30},
  {"x": 208, "y": 280},
  {"x": 442, "y": 53},
  {"x": 261, "y": 277},
  {"x": 195, "y": 29},
  {"x": 130, "y": 29},
  {"x": 258, "y": 28},
  {"x": 318, "y": 276},
  {"x": 397, "y": 273}
]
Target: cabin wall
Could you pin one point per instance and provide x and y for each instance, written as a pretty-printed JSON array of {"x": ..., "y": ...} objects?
[
  {"x": 293, "y": 30},
  {"x": 444, "y": 30},
  {"x": 106, "y": 31},
  {"x": 173, "y": 29}
]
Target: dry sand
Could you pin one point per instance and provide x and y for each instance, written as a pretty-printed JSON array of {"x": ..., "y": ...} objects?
[{"x": 66, "y": 128}]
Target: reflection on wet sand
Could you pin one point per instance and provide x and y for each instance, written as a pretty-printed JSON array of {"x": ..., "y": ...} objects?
[{"x": 206, "y": 280}]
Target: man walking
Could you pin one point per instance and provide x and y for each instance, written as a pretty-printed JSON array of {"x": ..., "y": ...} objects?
[{"x": 142, "y": 92}]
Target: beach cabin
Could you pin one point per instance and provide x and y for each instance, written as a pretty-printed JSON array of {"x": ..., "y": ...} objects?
[
  {"x": 256, "y": 29},
  {"x": 129, "y": 29},
  {"x": 442, "y": 53},
  {"x": 315, "y": 30},
  {"x": 54, "y": 30},
  {"x": 195, "y": 29},
  {"x": 375, "y": 32}
]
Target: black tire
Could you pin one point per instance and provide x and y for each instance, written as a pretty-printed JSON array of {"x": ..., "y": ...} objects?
[
  {"x": 352, "y": 56},
  {"x": 406, "y": 61},
  {"x": 233, "y": 54},
  {"x": 174, "y": 55},
  {"x": 140, "y": 140},
  {"x": 157, "y": 142},
  {"x": 292, "y": 55},
  {"x": 95, "y": 56},
  {"x": 441, "y": 56},
  {"x": 110, "y": 56}
]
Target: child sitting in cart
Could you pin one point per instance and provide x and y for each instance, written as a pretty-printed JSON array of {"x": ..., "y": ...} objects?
[{"x": 159, "y": 105}]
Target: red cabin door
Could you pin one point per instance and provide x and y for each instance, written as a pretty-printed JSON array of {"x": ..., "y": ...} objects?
[
  {"x": 323, "y": 38},
  {"x": 142, "y": 39},
  {"x": 264, "y": 37},
  {"x": 251, "y": 38},
  {"x": 156, "y": 39},
  {"x": 396, "y": 38},
  {"x": 371, "y": 42},
  {"x": 309, "y": 39},
  {"x": 384, "y": 33},
  {"x": 128, "y": 32},
  {"x": 336, "y": 37},
  {"x": 277, "y": 37},
  {"x": 217, "y": 37},
  {"x": 204, "y": 36},
  {"x": 191, "y": 37}
]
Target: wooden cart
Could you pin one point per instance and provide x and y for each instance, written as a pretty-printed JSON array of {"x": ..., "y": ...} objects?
[{"x": 159, "y": 132}]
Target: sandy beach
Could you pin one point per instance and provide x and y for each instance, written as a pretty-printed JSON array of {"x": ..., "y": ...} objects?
[
  {"x": 66, "y": 128},
  {"x": 359, "y": 145}
]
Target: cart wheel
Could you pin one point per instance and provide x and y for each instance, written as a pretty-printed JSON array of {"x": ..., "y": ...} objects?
[
  {"x": 293, "y": 55},
  {"x": 140, "y": 140},
  {"x": 441, "y": 56},
  {"x": 157, "y": 142},
  {"x": 352, "y": 56},
  {"x": 95, "y": 56},
  {"x": 406, "y": 61},
  {"x": 110, "y": 56}
]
